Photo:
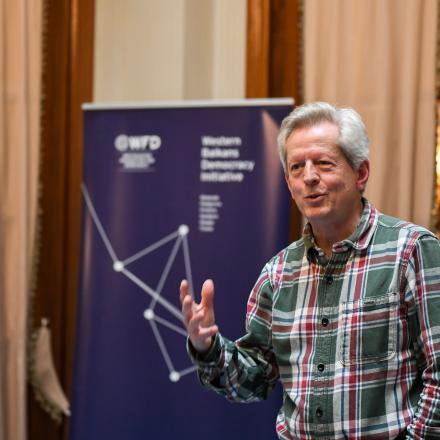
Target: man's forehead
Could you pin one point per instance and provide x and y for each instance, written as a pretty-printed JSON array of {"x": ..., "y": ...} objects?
[
  {"x": 320, "y": 129},
  {"x": 314, "y": 151},
  {"x": 322, "y": 135}
]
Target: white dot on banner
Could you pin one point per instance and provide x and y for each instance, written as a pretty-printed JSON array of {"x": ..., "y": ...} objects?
[
  {"x": 183, "y": 230},
  {"x": 174, "y": 376},
  {"x": 149, "y": 314},
  {"x": 118, "y": 266}
]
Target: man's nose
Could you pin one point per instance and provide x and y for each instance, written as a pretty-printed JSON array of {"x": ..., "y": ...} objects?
[{"x": 311, "y": 175}]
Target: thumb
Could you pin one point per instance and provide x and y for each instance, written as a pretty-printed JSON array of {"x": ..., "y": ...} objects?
[{"x": 208, "y": 294}]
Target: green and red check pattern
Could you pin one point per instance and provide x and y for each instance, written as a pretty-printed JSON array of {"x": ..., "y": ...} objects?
[{"x": 355, "y": 340}]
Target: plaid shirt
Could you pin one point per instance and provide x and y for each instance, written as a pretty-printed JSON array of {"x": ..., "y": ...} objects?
[{"x": 355, "y": 339}]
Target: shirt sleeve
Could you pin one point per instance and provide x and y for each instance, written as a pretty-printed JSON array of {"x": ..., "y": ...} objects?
[
  {"x": 423, "y": 286},
  {"x": 244, "y": 370}
]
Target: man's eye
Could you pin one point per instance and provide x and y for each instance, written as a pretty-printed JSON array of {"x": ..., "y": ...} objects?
[{"x": 295, "y": 166}]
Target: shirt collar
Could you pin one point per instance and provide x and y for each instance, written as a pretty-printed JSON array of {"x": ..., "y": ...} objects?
[{"x": 360, "y": 238}]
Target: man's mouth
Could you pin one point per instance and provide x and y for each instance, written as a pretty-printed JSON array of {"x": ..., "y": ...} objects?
[{"x": 314, "y": 196}]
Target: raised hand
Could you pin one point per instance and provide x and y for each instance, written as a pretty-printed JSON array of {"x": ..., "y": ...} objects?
[{"x": 199, "y": 318}]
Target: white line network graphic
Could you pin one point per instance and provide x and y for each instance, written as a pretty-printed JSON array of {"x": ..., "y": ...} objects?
[{"x": 120, "y": 266}]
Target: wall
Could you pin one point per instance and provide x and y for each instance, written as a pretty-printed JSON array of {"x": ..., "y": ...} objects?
[{"x": 169, "y": 49}]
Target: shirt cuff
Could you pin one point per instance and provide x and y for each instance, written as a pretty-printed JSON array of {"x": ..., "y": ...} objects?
[{"x": 211, "y": 357}]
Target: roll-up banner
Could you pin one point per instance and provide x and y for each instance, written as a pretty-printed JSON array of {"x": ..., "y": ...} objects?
[{"x": 193, "y": 190}]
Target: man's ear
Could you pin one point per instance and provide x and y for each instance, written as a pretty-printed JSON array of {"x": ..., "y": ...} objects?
[{"x": 363, "y": 175}]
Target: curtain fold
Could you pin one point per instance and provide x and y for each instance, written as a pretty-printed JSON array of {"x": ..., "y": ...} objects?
[
  {"x": 20, "y": 78},
  {"x": 379, "y": 57}
]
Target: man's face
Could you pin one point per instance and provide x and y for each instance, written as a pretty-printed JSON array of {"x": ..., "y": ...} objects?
[{"x": 324, "y": 186}]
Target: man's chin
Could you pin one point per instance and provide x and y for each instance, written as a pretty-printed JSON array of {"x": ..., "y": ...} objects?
[{"x": 316, "y": 214}]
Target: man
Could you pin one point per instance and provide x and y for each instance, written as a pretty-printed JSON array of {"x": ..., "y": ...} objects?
[{"x": 347, "y": 317}]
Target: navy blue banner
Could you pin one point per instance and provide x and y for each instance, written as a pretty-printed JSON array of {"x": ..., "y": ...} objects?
[{"x": 169, "y": 193}]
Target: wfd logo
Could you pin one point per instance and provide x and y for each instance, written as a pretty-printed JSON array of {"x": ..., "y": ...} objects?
[
  {"x": 137, "y": 143},
  {"x": 136, "y": 153}
]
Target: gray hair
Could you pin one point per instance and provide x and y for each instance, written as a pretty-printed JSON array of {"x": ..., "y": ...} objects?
[{"x": 353, "y": 138}]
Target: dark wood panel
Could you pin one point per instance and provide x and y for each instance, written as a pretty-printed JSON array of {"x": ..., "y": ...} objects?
[
  {"x": 274, "y": 59},
  {"x": 66, "y": 82},
  {"x": 80, "y": 91},
  {"x": 257, "y": 49},
  {"x": 285, "y": 61},
  {"x": 48, "y": 300}
]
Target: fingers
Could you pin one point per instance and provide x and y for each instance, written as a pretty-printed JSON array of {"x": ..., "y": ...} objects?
[
  {"x": 201, "y": 336},
  {"x": 207, "y": 290},
  {"x": 199, "y": 318},
  {"x": 194, "y": 325},
  {"x": 187, "y": 309},
  {"x": 208, "y": 295},
  {"x": 184, "y": 290},
  {"x": 208, "y": 331},
  {"x": 186, "y": 300}
]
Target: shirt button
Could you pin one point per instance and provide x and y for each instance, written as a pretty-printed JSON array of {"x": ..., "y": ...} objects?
[
  {"x": 329, "y": 279},
  {"x": 321, "y": 367},
  {"x": 319, "y": 413},
  {"x": 324, "y": 321}
]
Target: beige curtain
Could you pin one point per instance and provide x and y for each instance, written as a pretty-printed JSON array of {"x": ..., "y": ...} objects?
[
  {"x": 378, "y": 56},
  {"x": 20, "y": 39}
]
